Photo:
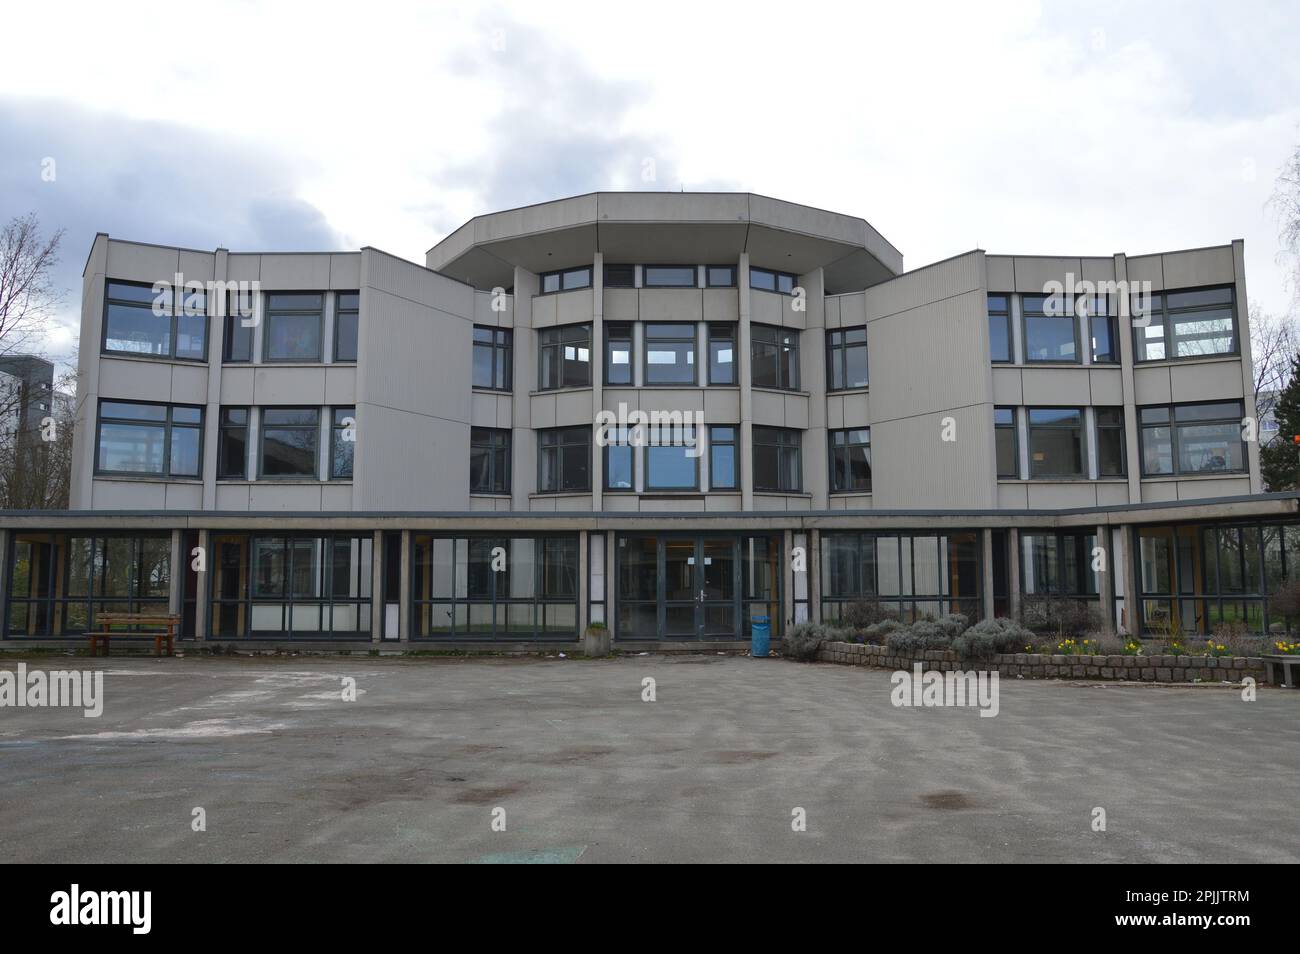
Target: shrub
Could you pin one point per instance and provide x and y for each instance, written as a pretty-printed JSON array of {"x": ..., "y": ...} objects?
[
  {"x": 990, "y": 637},
  {"x": 1286, "y": 601},
  {"x": 903, "y": 640},
  {"x": 876, "y": 634},
  {"x": 863, "y": 614},
  {"x": 802, "y": 642},
  {"x": 1062, "y": 617}
]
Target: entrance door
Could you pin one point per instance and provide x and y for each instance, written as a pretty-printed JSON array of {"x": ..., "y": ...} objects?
[{"x": 695, "y": 587}]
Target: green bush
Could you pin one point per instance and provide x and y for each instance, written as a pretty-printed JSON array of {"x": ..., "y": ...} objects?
[
  {"x": 990, "y": 637},
  {"x": 863, "y": 614},
  {"x": 877, "y": 634},
  {"x": 803, "y": 641}
]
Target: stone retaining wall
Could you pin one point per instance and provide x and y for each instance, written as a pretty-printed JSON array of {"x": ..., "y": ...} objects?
[{"x": 1039, "y": 666}]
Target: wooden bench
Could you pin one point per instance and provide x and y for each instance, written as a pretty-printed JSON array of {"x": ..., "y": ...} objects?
[
  {"x": 1282, "y": 670},
  {"x": 108, "y": 620}
]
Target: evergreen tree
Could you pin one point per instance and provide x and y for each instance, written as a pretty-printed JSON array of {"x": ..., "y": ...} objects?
[{"x": 1279, "y": 461}]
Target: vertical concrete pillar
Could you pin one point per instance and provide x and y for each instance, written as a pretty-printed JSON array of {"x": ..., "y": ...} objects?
[
  {"x": 86, "y": 408},
  {"x": 179, "y": 566},
  {"x": 1106, "y": 579},
  {"x": 812, "y": 379},
  {"x": 815, "y": 576},
  {"x": 1124, "y": 329},
  {"x": 1013, "y": 572},
  {"x": 4, "y": 576},
  {"x": 212, "y": 414},
  {"x": 1131, "y": 620},
  {"x": 597, "y": 382},
  {"x": 584, "y": 580},
  {"x": 1247, "y": 361},
  {"x": 986, "y": 570},
  {"x": 743, "y": 377},
  {"x": 523, "y": 440},
  {"x": 203, "y": 586}
]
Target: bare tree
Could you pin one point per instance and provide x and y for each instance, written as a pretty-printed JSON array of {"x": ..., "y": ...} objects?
[
  {"x": 1274, "y": 342},
  {"x": 36, "y": 465},
  {"x": 28, "y": 295}
]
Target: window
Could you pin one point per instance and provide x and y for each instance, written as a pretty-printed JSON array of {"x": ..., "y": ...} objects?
[
  {"x": 774, "y": 357},
  {"x": 913, "y": 576},
  {"x": 1051, "y": 331},
  {"x": 1057, "y": 565},
  {"x": 347, "y": 313},
  {"x": 1000, "y": 327},
  {"x": 1008, "y": 442},
  {"x": 492, "y": 358},
  {"x": 668, "y": 276},
  {"x": 620, "y": 276},
  {"x": 159, "y": 440},
  {"x": 1056, "y": 442},
  {"x": 237, "y": 338},
  {"x": 846, "y": 359},
  {"x": 1187, "y": 324},
  {"x": 670, "y": 354},
  {"x": 564, "y": 461},
  {"x": 722, "y": 354},
  {"x": 723, "y": 472},
  {"x": 566, "y": 280},
  {"x": 1192, "y": 439},
  {"x": 489, "y": 460},
  {"x": 458, "y": 593},
  {"x": 293, "y": 327},
  {"x": 565, "y": 356},
  {"x": 290, "y": 438},
  {"x": 765, "y": 280},
  {"x": 618, "y": 353},
  {"x": 720, "y": 276},
  {"x": 171, "y": 324},
  {"x": 1111, "y": 454},
  {"x": 343, "y": 442},
  {"x": 1101, "y": 329},
  {"x": 232, "y": 444},
  {"x": 619, "y": 460},
  {"x": 777, "y": 463},
  {"x": 671, "y": 458},
  {"x": 851, "y": 461}
]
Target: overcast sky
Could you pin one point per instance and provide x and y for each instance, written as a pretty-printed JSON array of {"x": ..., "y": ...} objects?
[{"x": 1036, "y": 128}]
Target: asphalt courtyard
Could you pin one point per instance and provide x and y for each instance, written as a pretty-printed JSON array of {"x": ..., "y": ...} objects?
[{"x": 584, "y": 770}]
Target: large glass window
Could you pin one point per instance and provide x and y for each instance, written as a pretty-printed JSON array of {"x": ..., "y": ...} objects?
[
  {"x": 290, "y": 441},
  {"x": 1008, "y": 442},
  {"x": 343, "y": 442},
  {"x": 1051, "y": 331},
  {"x": 1112, "y": 456},
  {"x": 620, "y": 458},
  {"x": 618, "y": 353},
  {"x": 567, "y": 280},
  {"x": 232, "y": 444},
  {"x": 846, "y": 359},
  {"x": 293, "y": 323},
  {"x": 489, "y": 460},
  {"x": 160, "y": 440},
  {"x": 722, "y": 353},
  {"x": 670, "y": 354},
  {"x": 620, "y": 276},
  {"x": 347, "y": 316},
  {"x": 564, "y": 354},
  {"x": 564, "y": 460},
  {"x": 502, "y": 587},
  {"x": 1056, "y": 442},
  {"x": 1192, "y": 439},
  {"x": 668, "y": 276},
  {"x": 1100, "y": 314},
  {"x": 240, "y": 318},
  {"x": 720, "y": 276},
  {"x": 909, "y": 575},
  {"x": 851, "y": 460},
  {"x": 778, "y": 466},
  {"x": 1000, "y": 327},
  {"x": 171, "y": 324},
  {"x": 774, "y": 357},
  {"x": 1194, "y": 323},
  {"x": 1058, "y": 564},
  {"x": 60, "y": 582},
  {"x": 671, "y": 458},
  {"x": 766, "y": 280},
  {"x": 723, "y": 472},
  {"x": 492, "y": 358}
]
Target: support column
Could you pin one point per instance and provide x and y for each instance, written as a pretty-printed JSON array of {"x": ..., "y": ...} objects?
[
  {"x": 1013, "y": 572},
  {"x": 202, "y": 587},
  {"x": 1106, "y": 579},
  {"x": 584, "y": 580},
  {"x": 4, "y": 576},
  {"x": 745, "y": 452},
  {"x": 1128, "y": 566},
  {"x": 377, "y": 610},
  {"x": 597, "y": 384},
  {"x": 180, "y": 567},
  {"x": 986, "y": 565},
  {"x": 404, "y": 588}
]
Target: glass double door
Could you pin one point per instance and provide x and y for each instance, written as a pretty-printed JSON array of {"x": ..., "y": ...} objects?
[{"x": 679, "y": 587}]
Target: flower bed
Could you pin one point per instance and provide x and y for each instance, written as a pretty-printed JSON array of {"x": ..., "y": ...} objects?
[{"x": 1042, "y": 666}]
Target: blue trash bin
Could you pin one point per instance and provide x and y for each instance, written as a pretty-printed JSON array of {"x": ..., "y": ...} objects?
[{"x": 760, "y": 640}]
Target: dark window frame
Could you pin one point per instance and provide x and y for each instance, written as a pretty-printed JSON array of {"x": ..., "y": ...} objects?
[
  {"x": 1110, "y": 427},
  {"x": 561, "y": 449},
  {"x": 261, "y": 442},
  {"x": 731, "y": 280},
  {"x": 172, "y": 316},
  {"x": 337, "y": 427},
  {"x": 544, "y": 344},
  {"x": 1175, "y": 426},
  {"x": 1005, "y": 315},
  {"x": 619, "y": 331},
  {"x": 647, "y": 456},
  {"x": 693, "y": 283},
  {"x": 777, "y": 281},
  {"x": 502, "y": 343},
  {"x": 1161, "y": 310},
  {"x": 224, "y": 427},
  {"x": 269, "y": 314},
  {"x": 1068, "y": 304},
  {"x": 787, "y": 441},
  {"x": 620, "y": 283},
  {"x": 837, "y": 353},
  {"x": 497, "y": 439},
  {"x": 168, "y": 426},
  {"x": 693, "y": 339},
  {"x": 734, "y": 445},
  {"x": 1082, "y": 429},
  {"x": 1014, "y": 428},
  {"x": 756, "y": 331},
  {"x": 339, "y": 312},
  {"x": 562, "y": 276},
  {"x": 840, "y": 460}
]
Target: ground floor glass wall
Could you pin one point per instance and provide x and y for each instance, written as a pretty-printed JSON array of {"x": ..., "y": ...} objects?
[
  {"x": 493, "y": 587},
  {"x": 910, "y": 574},
  {"x": 59, "y": 582}
]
